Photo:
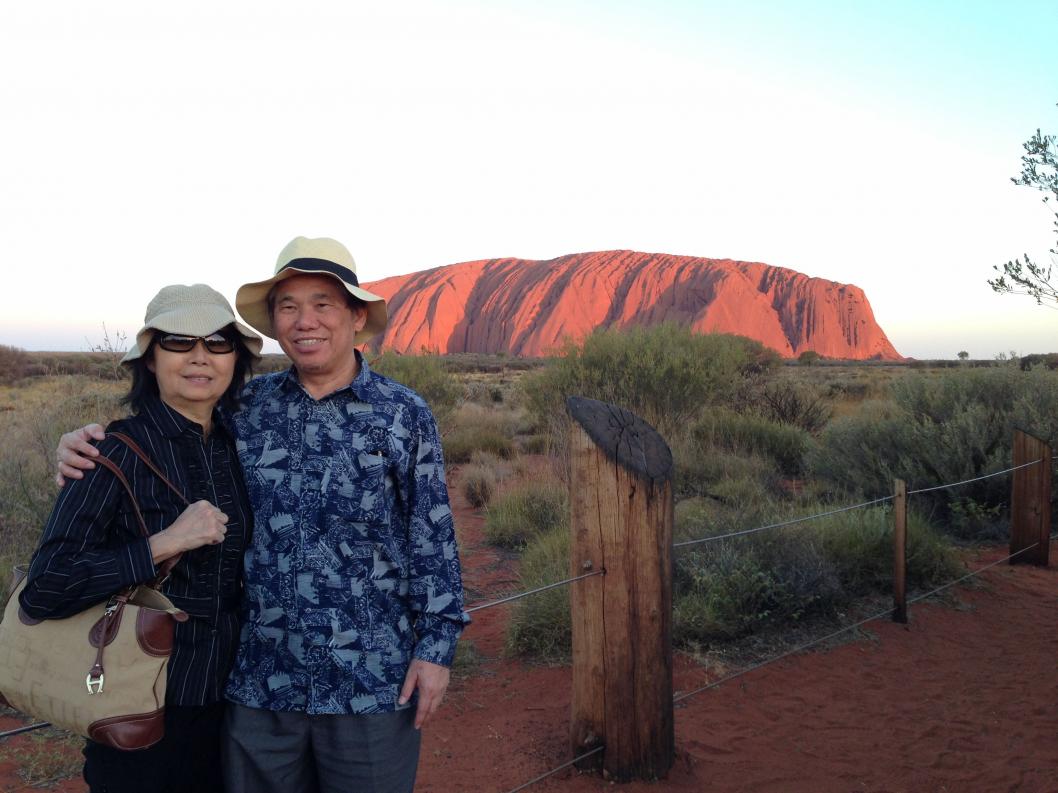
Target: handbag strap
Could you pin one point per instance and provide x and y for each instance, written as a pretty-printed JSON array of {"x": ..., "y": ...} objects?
[
  {"x": 121, "y": 436},
  {"x": 166, "y": 567}
]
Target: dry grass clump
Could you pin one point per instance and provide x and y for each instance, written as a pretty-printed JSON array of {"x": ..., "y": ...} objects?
[
  {"x": 32, "y": 417},
  {"x": 525, "y": 512},
  {"x": 477, "y": 428},
  {"x": 541, "y": 626},
  {"x": 479, "y": 484}
]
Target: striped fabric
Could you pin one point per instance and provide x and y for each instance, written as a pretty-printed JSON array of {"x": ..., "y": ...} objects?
[{"x": 92, "y": 546}]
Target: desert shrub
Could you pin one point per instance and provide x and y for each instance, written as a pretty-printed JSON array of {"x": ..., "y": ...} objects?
[
  {"x": 706, "y": 469},
  {"x": 461, "y": 443},
  {"x": 665, "y": 374},
  {"x": 731, "y": 587},
  {"x": 808, "y": 358},
  {"x": 540, "y": 626},
  {"x": 1048, "y": 360},
  {"x": 747, "y": 433},
  {"x": 794, "y": 404},
  {"x": 479, "y": 483},
  {"x": 473, "y": 427},
  {"x": 860, "y": 546},
  {"x": 526, "y": 512},
  {"x": 534, "y": 444},
  {"x": 427, "y": 376},
  {"x": 937, "y": 429},
  {"x": 13, "y": 364}
]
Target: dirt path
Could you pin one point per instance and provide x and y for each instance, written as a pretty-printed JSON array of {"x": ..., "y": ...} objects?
[{"x": 963, "y": 699}]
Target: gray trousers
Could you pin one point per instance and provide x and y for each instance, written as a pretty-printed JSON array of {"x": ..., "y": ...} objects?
[{"x": 266, "y": 751}]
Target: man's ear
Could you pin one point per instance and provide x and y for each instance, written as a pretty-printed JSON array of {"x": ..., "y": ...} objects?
[{"x": 359, "y": 318}]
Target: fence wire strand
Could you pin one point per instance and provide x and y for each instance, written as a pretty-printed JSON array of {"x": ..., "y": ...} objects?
[
  {"x": 784, "y": 523},
  {"x": 975, "y": 479},
  {"x": 542, "y": 777},
  {"x": 780, "y": 525},
  {"x": 847, "y": 628},
  {"x": 533, "y": 591},
  {"x": 27, "y": 728}
]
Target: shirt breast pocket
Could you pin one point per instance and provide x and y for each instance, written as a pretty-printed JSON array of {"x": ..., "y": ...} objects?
[{"x": 362, "y": 482}]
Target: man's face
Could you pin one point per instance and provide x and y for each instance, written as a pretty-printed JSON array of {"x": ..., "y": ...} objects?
[{"x": 314, "y": 325}]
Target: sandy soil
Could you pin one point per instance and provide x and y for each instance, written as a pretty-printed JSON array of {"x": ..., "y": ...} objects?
[{"x": 963, "y": 699}]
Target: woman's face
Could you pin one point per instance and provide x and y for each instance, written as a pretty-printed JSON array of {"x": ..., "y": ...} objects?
[{"x": 191, "y": 382}]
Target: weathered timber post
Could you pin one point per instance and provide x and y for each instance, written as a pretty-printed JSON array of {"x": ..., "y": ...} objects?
[
  {"x": 621, "y": 507},
  {"x": 899, "y": 551},
  {"x": 1030, "y": 501}
]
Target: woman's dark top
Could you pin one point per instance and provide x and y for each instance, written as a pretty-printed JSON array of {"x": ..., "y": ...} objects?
[{"x": 92, "y": 546}]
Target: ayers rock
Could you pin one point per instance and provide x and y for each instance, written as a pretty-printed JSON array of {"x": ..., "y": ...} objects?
[{"x": 529, "y": 308}]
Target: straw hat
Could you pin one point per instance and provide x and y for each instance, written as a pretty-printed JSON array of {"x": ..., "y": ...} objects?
[
  {"x": 195, "y": 310},
  {"x": 306, "y": 256}
]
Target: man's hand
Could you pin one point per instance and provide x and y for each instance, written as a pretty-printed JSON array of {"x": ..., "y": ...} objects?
[
  {"x": 432, "y": 681},
  {"x": 75, "y": 452}
]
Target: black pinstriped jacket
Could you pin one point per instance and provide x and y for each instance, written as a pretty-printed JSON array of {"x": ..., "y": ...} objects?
[{"x": 92, "y": 546}]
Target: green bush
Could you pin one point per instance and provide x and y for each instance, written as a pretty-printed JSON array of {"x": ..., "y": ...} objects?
[
  {"x": 540, "y": 625},
  {"x": 749, "y": 434},
  {"x": 427, "y": 376},
  {"x": 860, "y": 546},
  {"x": 526, "y": 512},
  {"x": 938, "y": 429},
  {"x": 665, "y": 374},
  {"x": 731, "y": 587}
]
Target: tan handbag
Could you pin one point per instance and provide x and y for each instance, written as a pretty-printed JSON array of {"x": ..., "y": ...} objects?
[{"x": 100, "y": 673}]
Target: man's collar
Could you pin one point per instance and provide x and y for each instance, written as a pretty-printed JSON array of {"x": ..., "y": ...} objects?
[{"x": 359, "y": 386}]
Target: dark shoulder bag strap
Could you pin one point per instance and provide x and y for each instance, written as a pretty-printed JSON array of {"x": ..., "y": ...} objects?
[
  {"x": 121, "y": 436},
  {"x": 166, "y": 567}
]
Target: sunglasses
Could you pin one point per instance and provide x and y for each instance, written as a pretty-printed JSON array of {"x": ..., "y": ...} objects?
[{"x": 214, "y": 343}]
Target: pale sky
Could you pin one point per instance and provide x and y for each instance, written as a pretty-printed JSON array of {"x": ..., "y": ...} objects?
[{"x": 867, "y": 143}]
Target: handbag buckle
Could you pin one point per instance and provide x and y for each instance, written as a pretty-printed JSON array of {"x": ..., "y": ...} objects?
[{"x": 95, "y": 684}]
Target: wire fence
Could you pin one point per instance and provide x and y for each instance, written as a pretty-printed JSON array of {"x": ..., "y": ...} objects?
[
  {"x": 833, "y": 634},
  {"x": 544, "y": 588}
]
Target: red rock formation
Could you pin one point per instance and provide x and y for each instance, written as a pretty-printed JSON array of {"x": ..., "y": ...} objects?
[{"x": 529, "y": 308}]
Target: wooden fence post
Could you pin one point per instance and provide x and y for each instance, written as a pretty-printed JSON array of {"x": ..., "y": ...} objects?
[
  {"x": 1030, "y": 501},
  {"x": 621, "y": 509},
  {"x": 899, "y": 551}
]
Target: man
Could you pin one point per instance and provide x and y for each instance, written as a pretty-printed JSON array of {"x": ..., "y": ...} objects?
[{"x": 353, "y": 601}]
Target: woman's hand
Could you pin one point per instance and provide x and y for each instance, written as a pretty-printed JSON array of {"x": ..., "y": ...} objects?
[{"x": 200, "y": 524}]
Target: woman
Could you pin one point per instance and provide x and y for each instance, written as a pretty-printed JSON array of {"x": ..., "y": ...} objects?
[{"x": 188, "y": 365}]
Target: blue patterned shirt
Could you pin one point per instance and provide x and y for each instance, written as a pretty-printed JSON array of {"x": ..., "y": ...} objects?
[{"x": 352, "y": 569}]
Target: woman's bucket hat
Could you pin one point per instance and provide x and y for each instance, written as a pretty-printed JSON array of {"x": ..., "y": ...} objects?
[
  {"x": 306, "y": 256},
  {"x": 196, "y": 310}
]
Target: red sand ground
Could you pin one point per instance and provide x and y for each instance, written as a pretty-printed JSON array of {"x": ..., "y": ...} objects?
[{"x": 961, "y": 700}]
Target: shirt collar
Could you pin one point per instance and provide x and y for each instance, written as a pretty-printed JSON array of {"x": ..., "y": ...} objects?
[
  {"x": 171, "y": 423},
  {"x": 360, "y": 386}
]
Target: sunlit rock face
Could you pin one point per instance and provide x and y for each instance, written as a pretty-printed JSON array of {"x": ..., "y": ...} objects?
[{"x": 530, "y": 308}]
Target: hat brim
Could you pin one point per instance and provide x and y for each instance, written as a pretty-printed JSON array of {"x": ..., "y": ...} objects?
[
  {"x": 208, "y": 320},
  {"x": 251, "y": 301}
]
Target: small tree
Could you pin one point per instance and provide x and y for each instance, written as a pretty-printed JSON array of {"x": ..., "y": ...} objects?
[
  {"x": 809, "y": 358},
  {"x": 963, "y": 355},
  {"x": 1039, "y": 169}
]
